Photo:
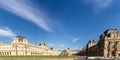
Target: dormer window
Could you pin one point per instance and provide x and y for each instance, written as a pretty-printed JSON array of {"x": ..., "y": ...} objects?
[
  {"x": 42, "y": 43},
  {"x": 20, "y": 39}
]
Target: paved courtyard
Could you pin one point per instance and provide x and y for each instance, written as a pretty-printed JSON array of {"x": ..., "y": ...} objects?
[
  {"x": 58, "y": 59},
  {"x": 32, "y": 59}
]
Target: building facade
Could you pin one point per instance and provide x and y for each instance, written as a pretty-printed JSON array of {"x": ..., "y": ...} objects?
[
  {"x": 91, "y": 48},
  {"x": 20, "y": 46},
  {"x": 109, "y": 43},
  {"x": 107, "y": 46}
]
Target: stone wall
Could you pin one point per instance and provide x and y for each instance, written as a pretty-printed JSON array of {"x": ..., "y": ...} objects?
[{"x": 107, "y": 46}]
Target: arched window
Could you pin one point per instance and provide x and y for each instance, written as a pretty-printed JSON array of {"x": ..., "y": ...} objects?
[{"x": 113, "y": 53}]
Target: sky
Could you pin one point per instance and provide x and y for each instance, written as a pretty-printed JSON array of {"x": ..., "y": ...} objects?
[{"x": 60, "y": 24}]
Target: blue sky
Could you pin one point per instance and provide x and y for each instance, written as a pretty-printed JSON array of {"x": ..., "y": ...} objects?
[{"x": 59, "y": 23}]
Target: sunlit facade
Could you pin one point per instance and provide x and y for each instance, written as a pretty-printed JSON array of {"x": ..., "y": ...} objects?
[
  {"x": 107, "y": 46},
  {"x": 20, "y": 46}
]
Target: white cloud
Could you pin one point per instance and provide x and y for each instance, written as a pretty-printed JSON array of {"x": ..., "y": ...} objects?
[
  {"x": 100, "y": 4},
  {"x": 76, "y": 39},
  {"x": 6, "y": 32},
  {"x": 23, "y": 9}
]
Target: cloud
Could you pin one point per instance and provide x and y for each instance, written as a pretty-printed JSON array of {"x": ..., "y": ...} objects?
[
  {"x": 76, "y": 39},
  {"x": 100, "y": 4},
  {"x": 6, "y": 32},
  {"x": 24, "y": 9},
  {"x": 73, "y": 38}
]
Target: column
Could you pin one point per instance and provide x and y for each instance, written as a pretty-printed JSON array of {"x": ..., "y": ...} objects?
[
  {"x": 10, "y": 53},
  {"x": 116, "y": 54},
  {"x": 5, "y": 53},
  {"x": 1, "y": 53},
  {"x": 109, "y": 54},
  {"x": 105, "y": 53}
]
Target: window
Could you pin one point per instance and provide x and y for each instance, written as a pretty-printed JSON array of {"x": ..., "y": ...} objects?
[
  {"x": 119, "y": 54},
  {"x": 113, "y": 53}
]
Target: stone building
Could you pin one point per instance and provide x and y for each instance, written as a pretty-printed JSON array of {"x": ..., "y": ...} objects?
[
  {"x": 20, "y": 46},
  {"x": 91, "y": 48},
  {"x": 66, "y": 52},
  {"x": 69, "y": 52},
  {"x": 107, "y": 46},
  {"x": 109, "y": 43}
]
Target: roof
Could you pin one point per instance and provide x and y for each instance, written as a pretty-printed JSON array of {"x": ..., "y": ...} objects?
[{"x": 20, "y": 37}]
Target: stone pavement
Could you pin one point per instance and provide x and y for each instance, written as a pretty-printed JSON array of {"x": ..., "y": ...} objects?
[
  {"x": 55, "y": 59},
  {"x": 32, "y": 59}
]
